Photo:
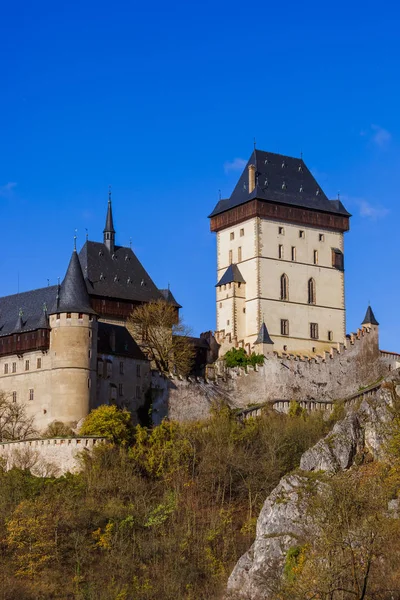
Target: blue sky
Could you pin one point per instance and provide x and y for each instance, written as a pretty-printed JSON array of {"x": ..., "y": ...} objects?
[{"x": 163, "y": 100}]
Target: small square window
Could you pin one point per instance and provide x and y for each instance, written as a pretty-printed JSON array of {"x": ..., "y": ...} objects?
[
  {"x": 232, "y": 235},
  {"x": 284, "y": 327},
  {"x": 302, "y": 233},
  {"x": 241, "y": 232},
  {"x": 321, "y": 237},
  {"x": 281, "y": 230}
]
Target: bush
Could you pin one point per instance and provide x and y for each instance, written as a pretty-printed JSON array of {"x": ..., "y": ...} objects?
[
  {"x": 58, "y": 429},
  {"x": 110, "y": 422},
  {"x": 237, "y": 357}
]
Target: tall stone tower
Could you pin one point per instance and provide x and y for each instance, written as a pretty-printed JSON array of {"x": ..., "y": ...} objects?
[
  {"x": 73, "y": 348},
  {"x": 280, "y": 258}
]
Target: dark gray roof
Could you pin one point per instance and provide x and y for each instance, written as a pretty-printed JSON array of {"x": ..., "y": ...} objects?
[
  {"x": 280, "y": 179},
  {"x": 109, "y": 219},
  {"x": 369, "y": 317},
  {"x": 232, "y": 274},
  {"x": 116, "y": 275},
  {"x": 72, "y": 295},
  {"x": 115, "y": 336},
  {"x": 263, "y": 336},
  {"x": 169, "y": 297},
  {"x": 31, "y": 303}
]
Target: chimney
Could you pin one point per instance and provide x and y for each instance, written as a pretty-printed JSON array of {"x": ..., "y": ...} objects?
[{"x": 252, "y": 178}]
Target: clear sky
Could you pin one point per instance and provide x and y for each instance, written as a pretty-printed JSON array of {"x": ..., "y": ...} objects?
[{"x": 162, "y": 100}]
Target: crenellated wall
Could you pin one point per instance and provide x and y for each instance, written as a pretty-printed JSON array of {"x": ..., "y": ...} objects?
[
  {"x": 333, "y": 375},
  {"x": 48, "y": 457}
]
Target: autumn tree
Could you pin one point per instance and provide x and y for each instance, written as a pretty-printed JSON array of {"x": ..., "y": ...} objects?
[
  {"x": 110, "y": 422},
  {"x": 165, "y": 338},
  {"x": 15, "y": 424}
]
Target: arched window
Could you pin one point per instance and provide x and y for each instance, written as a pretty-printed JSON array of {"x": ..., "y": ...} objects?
[
  {"x": 311, "y": 291},
  {"x": 284, "y": 287}
]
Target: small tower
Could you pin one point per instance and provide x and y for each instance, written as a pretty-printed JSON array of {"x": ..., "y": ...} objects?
[
  {"x": 231, "y": 307},
  {"x": 263, "y": 344},
  {"x": 369, "y": 319},
  {"x": 73, "y": 348},
  {"x": 109, "y": 231},
  {"x": 372, "y": 326}
]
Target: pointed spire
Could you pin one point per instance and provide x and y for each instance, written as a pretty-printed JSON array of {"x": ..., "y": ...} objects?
[
  {"x": 369, "y": 318},
  {"x": 263, "y": 336},
  {"x": 109, "y": 231},
  {"x": 20, "y": 322},
  {"x": 43, "y": 322},
  {"x": 72, "y": 295}
]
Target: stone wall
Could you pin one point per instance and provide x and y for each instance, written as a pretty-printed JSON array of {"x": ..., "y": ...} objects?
[
  {"x": 333, "y": 375},
  {"x": 48, "y": 457}
]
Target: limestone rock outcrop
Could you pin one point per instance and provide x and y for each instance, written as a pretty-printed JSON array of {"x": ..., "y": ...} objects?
[{"x": 282, "y": 521}]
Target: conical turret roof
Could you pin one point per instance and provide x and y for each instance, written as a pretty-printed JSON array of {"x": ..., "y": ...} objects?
[
  {"x": 263, "y": 336},
  {"x": 73, "y": 295},
  {"x": 369, "y": 318}
]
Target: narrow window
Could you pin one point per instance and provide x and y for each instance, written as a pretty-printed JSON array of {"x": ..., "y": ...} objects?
[
  {"x": 14, "y": 396},
  {"x": 90, "y": 354},
  {"x": 302, "y": 233},
  {"x": 280, "y": 251},
  {"x": 137, "y": 370},
  {"x": 90, "y": 317},
  {"x": 39, "y": 363},
  {"x": 27, "y": 365},
  {"x": 321, "y": 237},
  {"x": 138, "y": 391},
  {"x": 232, "y": 236},
  {"x": 80, "y": 315},
  {"x": 311, "y": 291},
  {"x": 68, "y": 315},
  {"x": 239, "y": 253},
  {"x": 121, "y": 367},
  {"x": 228, "y": 322},
  {"x": 58, "y": 316},
  {"x": 31, "y": 394},
  {"x": 100, "y": 367},
  {"x": 315, "y": 257},
  {"x": 330, "y": 336},
  {"x": 230, "y": 257},
  {"x": 281, "y": 231},
  {"x": 14, "y": 367},
  {"x": 293, "y": 252},
  {"x": 241, "y": 232},
  {"x": 120, "y": 389},
  {"x": 6, "y": 369},
  {"x": 314, "y": 331},
  {"x": 220, "y": 304},
  {"x": 284, "y": 327},
  {"x": 284, "y": 287}
]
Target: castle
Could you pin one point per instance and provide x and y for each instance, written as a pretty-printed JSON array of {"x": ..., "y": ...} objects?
[{"x": 65, "y": 349}]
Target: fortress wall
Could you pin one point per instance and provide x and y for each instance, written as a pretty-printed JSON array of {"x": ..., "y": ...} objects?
[
  {"x": 330, "y": 376},
  {"x": 48, "y": 457}
]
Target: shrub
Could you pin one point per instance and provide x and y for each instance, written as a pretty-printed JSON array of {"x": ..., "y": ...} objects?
[
  {"x": 237, "y": 357},
  {"x": 110, "y": 422}
]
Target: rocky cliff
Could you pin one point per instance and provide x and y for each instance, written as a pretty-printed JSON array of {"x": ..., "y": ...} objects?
[{"x": 358, "y": 437}]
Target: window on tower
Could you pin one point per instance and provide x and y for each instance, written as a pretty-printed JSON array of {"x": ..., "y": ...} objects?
[
  {"x": 284, "y": 287},
  {"x": 230, "y": 257},
  {"x": 239, "y": 253},
  {"x": 337, "y": 259},
  {"x": 311, "y": 291},
  {"x": 314, "y": 331},
  {"x": 284, "y": 327},
  {"x": 293, "y": 252},
  {"x": 280, "y": 251}
]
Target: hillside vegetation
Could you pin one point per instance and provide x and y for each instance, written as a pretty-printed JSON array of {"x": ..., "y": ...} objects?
[{"x": 165, "y": 516}]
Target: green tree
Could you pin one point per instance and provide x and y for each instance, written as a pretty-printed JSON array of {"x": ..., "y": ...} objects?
[{"x": 110, "y": 422}]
